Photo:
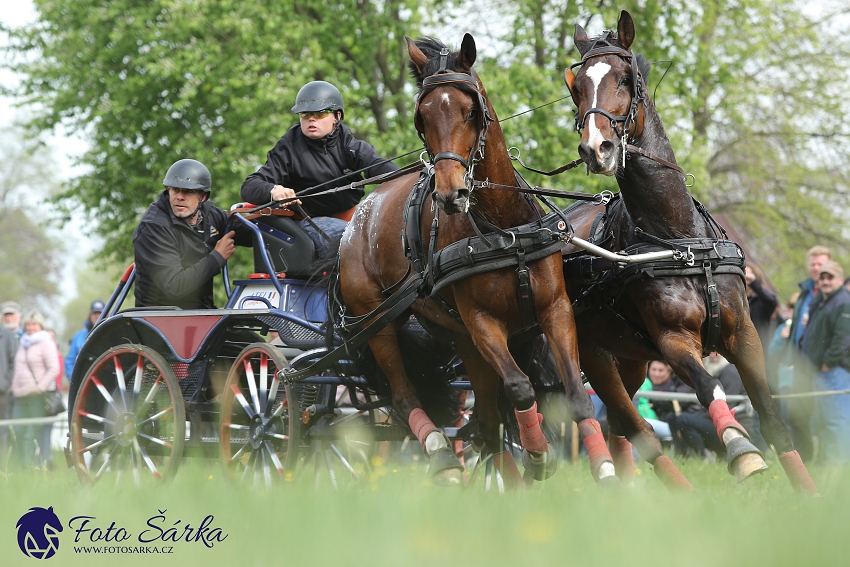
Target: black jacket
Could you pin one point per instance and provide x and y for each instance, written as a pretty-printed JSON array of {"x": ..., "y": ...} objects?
[
  {"x": 827, "y": 336},
  {"x": 176, "y": 263},
  {"x": 299, "y": 162},
  {"x": 763, "y": 303}
]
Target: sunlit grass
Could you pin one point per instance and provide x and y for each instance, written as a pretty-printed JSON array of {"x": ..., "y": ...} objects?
[{"x": 396, "y": 517}]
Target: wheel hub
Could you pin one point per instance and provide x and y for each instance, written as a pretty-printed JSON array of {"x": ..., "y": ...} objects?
[
  {"x": 257, "y": 432},
  {"x": 125, "y": 428}
]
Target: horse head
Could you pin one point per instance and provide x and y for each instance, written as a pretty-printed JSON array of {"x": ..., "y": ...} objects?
[
  {"x": 451, "y": 117},
  {"x": 608, "y": 90}
]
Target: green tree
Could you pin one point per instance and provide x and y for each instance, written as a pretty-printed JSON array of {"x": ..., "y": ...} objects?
[{"x": 30, "y": 259}]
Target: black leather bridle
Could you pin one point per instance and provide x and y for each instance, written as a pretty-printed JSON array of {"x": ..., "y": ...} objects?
[
  {"x": 629, "y": 121},
  {"x": 459, "y": 80}
]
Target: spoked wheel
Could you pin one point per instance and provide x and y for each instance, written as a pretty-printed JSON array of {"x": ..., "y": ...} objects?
[
  {"x": 128, "y": 419},
  {"x": 258, "y": 431}
]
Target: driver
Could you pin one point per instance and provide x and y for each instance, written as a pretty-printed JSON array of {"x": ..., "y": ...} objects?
[
  {"x": 181, "y": 244},
  {"x": 319, "y": 149}
]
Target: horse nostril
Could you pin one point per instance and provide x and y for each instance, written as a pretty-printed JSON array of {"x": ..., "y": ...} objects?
[
  {"x": 461, "y": 194},
  {"x": 584, "y": 152},
  {"x": 606, "y": 148}
]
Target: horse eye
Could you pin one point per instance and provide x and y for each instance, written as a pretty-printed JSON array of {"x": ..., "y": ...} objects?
[
  {"x": 625, "y": 81},
  {"x": 471, "y": 114}
]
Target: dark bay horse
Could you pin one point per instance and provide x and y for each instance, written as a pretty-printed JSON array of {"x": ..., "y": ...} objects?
[
  {"x": 665, "y": 316},
  {"x": 478, "y": 312}
]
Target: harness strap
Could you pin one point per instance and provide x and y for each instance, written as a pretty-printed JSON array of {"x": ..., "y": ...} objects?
[
  {"x": 640, "y": 151},
  {"x": 712, "y": 303},
  {"x": 523, "y": 291}
]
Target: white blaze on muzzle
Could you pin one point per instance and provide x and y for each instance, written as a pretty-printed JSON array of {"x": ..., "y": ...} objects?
[{"x": 596, "y": 72}]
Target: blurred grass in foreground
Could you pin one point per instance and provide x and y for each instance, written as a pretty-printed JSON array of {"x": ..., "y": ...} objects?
[{"x": 398, "y": 518}]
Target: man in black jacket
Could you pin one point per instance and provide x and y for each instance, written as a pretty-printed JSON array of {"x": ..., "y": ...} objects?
[
  {"x": 826, "y": 343},
  {"x": 319, "y": 150},
  {"x": 181, "y": 244}
]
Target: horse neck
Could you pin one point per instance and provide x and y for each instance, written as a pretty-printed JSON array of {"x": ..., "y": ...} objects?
[
  {"x": 655, "y": 196},
  {"x": 504, "y": 208}
]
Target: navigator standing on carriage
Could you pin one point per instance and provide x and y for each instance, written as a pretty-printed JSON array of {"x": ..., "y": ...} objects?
[
  {"x": 181, "y": 244},
  {"x": 320, "y": 150}
]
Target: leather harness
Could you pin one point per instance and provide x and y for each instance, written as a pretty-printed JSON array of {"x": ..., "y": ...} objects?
[{"x": 605, "y": 281}]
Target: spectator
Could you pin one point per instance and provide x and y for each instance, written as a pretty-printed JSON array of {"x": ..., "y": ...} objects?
[
  {"x": 826, "y": 343},
  {"x": 44, "y": 440},
  {"x": 799, "y": 410},
  {"x": 12, "y": 317},
  {"x": 8, "y": 348},
  {"x": 663, "y": 380},
  {"x": 80, "y": 336},
  {"x": 763, "y": 303},
  {"x": 36, "y": 367}
]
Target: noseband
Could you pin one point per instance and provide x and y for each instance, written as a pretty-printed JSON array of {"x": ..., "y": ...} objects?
[
  {"x": 447, "y": 77},
  {"x": 629, "y": 121}
]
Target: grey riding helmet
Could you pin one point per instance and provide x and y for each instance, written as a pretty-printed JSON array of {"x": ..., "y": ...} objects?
[
  {"x": 188, "y": 174},
  {"x": 318, "y": 95}
]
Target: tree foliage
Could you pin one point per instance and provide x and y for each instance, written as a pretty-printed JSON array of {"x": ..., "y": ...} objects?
[
  {"x": 30, "y": 260},
  {"x": 750, "y": 100}
]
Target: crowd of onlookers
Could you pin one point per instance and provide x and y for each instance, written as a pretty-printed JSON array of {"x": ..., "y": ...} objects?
[{"x": 31, "y": 369}]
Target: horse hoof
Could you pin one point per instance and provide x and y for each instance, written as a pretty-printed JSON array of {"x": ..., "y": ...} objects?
[
  {"x": 445, "y": 468},
  {"x": 744, "y": 459},
  {"x": 542, "y": 466}
]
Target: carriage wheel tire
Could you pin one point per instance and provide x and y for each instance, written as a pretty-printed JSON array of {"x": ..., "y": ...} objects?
[{"x": 128, "y": 421}]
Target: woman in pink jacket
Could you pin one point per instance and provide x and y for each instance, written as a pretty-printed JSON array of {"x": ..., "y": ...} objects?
[{"x": 36, "y": 366}]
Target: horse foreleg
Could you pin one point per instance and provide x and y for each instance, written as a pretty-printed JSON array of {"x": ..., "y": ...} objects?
[
  {"x": 485, "y": 384},
  {"x": 683, "y": 353},
  {"x": 559, "y": 327},
  {"x": 444, "y": 467},
  {"x": 745, "y": 352},
  {"x": 615, "y": 384},
  {"x": 490, "y": 338}
]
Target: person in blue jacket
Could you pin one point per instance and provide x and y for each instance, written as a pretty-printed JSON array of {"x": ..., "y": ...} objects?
[{"x": 80, "y": 336}]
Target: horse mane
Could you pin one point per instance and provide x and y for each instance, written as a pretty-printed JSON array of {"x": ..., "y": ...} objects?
[
  {"x": 431, "y": 48},
  {"x": 608, "y": 37}
]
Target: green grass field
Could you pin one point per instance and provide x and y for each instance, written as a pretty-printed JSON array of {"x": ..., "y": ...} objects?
[{"x": 398, "y": 518}]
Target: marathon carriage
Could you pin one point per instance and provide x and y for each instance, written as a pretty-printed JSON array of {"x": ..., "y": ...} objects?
[{"x": 156, "y": 384}]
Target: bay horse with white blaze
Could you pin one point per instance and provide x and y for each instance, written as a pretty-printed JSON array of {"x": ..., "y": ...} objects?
[
  {"x": 677, "y": 311},
  {"x": 479, "y": 311}
]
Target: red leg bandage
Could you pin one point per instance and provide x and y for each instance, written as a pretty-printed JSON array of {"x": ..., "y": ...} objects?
[
  {"x": 723, "y": 418},
  {"x": 594, "y": 442},
  {"x": 505, "y": 464},
  {"x": 797, "y": 473},
  {"x": 624, "y": 460},
  {"x": 667, "y": 472},
  {"x": 530, "y": 434},
  {"x": 421, "y": 425}
]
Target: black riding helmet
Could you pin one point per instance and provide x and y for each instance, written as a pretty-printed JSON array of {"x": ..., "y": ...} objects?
[
  {"x": 318, "y": 95},
  {"x": 188, "y": 174}
]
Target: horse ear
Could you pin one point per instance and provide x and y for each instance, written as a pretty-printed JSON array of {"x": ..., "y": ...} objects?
[
  {"x": 467, "y": 51},
  {"x": 418, "y": 58},
  {"x": 570, "y": 78},
  {"x": 626, "y": 30},
  {"x": 580, "y": 40}
]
